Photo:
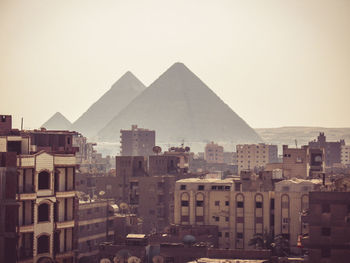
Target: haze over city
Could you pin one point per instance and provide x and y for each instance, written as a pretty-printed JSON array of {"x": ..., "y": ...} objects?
[{"x": 275, "y": 63}]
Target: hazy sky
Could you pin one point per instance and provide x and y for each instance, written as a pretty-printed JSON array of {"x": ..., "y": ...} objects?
[{"x": 276, "y": 63}]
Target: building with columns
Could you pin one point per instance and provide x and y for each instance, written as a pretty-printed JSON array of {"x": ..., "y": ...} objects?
[{"x": 44, "y": 192}]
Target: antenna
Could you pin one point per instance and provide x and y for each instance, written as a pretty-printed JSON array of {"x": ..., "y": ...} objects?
[
  {"x": 22, "y": 124},
  {"x": 296, "y": 143}
]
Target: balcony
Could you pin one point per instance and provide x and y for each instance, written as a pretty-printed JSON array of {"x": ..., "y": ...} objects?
[
  {"x": 65, "y": 224},
  {"x": 65, "y": 194},
  {"x": 26, "y": 196},
  {"x": 25, "y": 228}
]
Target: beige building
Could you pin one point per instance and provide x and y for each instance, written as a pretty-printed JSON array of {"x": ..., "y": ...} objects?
[
  {"x": 137, "y": 141},
  {"x": 345, "y": 154},
  {"x": 45, "y": 194},
  {"x": 214, "y": 153},
  {"x": 250, "y": 156},
  {"x": 291, "y": 200},
  {"x": 238, "y": 215}
]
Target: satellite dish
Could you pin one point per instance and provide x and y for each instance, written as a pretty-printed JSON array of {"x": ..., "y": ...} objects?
[
  {"x": 187, "y": 149},
  {"x": 157, "y": 149},
  {"x": 158, "y": 259},
  {"x": 117, "y": 259},
  {"x": 123, "y": 206},
  {"x": 102, "y": 193},
  {"x": 134, "y": 260},
  {"x": 105, "y": 260}
]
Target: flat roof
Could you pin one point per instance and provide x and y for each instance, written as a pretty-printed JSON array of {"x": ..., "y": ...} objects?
[{"x": 210, "y": 180}]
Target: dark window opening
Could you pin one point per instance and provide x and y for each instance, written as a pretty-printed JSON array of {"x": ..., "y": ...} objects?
[
  {"x": 227, "y": 203},
  {"x": 43, "y": 213},
  {"x": 240, "y": 204},
  {"x": 258, "y": 204},
  {"x": 239, "y": 235},
  {"x": 43, "y": 244},
  {"x": 199, "y": 203},
  {"x": 183, "y": 187},
  {"x": 200, "y": 187},
  {"x": 14, "y": 146},
  {"x": 44, "y": 180},
  {"x": 184, "y": 203}
]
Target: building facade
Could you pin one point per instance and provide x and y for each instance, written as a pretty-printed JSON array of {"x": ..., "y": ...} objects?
[
  {"x": 137, "y": 141},
  {"x": 239, "y": 215},
  {"x": 345, "y": 154},
  {"x": 45, "y": 194},
  {"x": 214, "y": 153},
  {"x": 250, "y": 156}
]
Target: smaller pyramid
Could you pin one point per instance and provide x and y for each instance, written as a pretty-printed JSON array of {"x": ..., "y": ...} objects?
[
  {"x": 57, "y": 122},
  {"x": 109, "y": 105}
]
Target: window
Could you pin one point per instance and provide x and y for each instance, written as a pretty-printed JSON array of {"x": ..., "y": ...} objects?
[
  {"x": 89, "y": 211},
  {"x": 326, "y": 208},
  {"x": 240, "y": 204},
  {"x": 227, "y": 234},
  {"x": 213, "y": 187},
  {"x": 220, "y": 187},
  {"x": 217, "y": 203},
  {"x": 97, "y": 209},
  {"x": 44, "y": 180},
  {"x": 184, "y": 203},
  {"x": 237, "y": 187},
  {"x": 183, "y": 187},
  {"x": 43, "y": 244},
  {"x": 200, "y": 187},
  {"x": 258, "y": 204},
  {"x": 239, "y": 235},
  {"x": 326, "y": 231},
  {"x": 227, "y": 203},
  {"x": 227, "y": 187},
  {"x": 219, "y": 234},
  {"x": 217, "y": 219},
  {"x": 285, "y": 220},
  {"x": 227, "y": 219},
  {"x": 43, "y": 213},
  {"x": 199, "y": 203}
]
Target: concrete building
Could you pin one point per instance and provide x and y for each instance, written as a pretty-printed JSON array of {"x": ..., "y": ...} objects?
[
  {"x": 291, "y": 201},
  {"x": 137, "y": 141},
  {"x": 345, "y": 155},
  {"x": 44, "y": 191},
  {"x": 214, "y": 153},
  {"x": 332, "y": 149},
  {"x": 329, "y": 227},
  {"x": 251, "y": 156},
  {"x": 304, "y": 162},
  {"x": 239, "y": 215},
  {"x": 230, "y": 158}
]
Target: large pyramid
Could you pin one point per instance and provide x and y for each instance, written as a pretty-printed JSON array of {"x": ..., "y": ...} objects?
[
  {"x": 179, "y": 106},
  {"x": 109, "y": 105},
  {"x": 57, "y": 122}
]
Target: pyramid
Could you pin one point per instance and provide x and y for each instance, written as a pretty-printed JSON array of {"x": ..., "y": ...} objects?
[
  {"x": 179, "y": 106},
  {"x": 57, "y": 122},
  {"x": 109, "y": 105}
]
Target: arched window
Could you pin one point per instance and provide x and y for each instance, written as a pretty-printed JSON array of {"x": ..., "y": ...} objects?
[
  {"x": 199, "y": 208},
  {"x": 185, "y": 209},
  {"x": 43, "y": 244},
  {"x": 43, "y": 213},
  {"x": 44, "y": 180}
]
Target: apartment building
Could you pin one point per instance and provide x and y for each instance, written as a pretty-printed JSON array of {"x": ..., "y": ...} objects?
[
  {"x": 345, "y": 154},
  {"x": 45, "y": 193},
  {"x": 329, "y": 227},
  {"x": 332, "y": 149},
  {"x": 95, "y": 224},
  {"x": 239, "y": 215},
  {"x": 291, "y": 200},
  {"x": 304, "y": 162},
  {"x": 251, "y": 156},
  {"x": 137, "y": 141},
  {"x": 214, "y": 153}
]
